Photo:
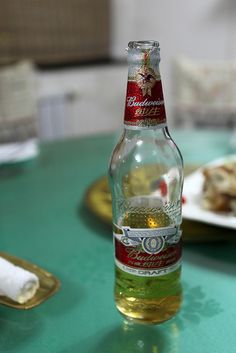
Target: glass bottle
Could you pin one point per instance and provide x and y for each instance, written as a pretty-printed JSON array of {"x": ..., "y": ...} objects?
[{"x": 146, "y": 178}]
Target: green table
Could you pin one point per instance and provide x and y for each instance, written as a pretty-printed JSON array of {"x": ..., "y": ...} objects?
[{"x": 43, "y": 220}]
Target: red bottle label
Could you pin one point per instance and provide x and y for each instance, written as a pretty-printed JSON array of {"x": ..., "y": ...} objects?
[
  {"x": 148, "y": 252},
  {"x": 144, "y": 101}
]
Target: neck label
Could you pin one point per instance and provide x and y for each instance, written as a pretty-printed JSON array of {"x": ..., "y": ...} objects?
[{"x": 144, "y": 100}]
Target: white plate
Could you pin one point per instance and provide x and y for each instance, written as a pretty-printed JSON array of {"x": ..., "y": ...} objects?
[
  {"x": 192, "y": 191},
  {"x": 18, "y": 152}
]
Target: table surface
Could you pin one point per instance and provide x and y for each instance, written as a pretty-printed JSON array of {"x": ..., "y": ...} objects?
[{"x": 43, "y": 220}]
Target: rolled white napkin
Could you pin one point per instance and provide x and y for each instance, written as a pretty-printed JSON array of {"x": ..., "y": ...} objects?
[{"x": 17, "y": 283}]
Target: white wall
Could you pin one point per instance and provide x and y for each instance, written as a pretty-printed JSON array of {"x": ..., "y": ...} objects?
[
  {"x": 81, "y": 101},
  {"x": 201, "y": 30},
  {"x": 90, "y": 100}
]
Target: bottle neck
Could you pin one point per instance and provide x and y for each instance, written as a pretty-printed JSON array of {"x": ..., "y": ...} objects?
[
  {"x": 144, "y": 107},
  {"x": 142, "y": 133}
]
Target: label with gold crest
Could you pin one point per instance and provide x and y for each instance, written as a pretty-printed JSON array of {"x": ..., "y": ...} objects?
[
  {"x": 144, "y": 100},
  {"x": 147, "y": 252}
]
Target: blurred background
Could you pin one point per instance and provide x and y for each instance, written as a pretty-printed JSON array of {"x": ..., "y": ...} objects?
[{"x": 63, "y": 64}]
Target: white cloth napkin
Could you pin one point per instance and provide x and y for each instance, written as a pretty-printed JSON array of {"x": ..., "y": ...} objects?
[
  {"x": 17, "y": 283},
  {"x": 18, "y": 151}
]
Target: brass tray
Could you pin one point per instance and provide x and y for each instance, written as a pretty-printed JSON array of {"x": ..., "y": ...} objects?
[
  {"x": 98, "y": 201},
  {"x": 49, "y": 284}
]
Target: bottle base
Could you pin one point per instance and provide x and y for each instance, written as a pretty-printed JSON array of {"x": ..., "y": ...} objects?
[{"x": 148, "y": 311}]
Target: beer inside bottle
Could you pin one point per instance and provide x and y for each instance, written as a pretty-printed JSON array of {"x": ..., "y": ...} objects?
[{"x": 146, "y": 178}]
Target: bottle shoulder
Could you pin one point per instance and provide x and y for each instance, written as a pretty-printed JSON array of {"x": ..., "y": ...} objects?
[{"x": 148, "y": 147}]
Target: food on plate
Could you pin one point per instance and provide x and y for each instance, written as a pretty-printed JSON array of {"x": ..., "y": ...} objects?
[{"x": 219, "y": 188}]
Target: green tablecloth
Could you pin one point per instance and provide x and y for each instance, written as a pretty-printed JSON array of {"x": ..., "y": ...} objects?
[{"x": 43, "y": 220}]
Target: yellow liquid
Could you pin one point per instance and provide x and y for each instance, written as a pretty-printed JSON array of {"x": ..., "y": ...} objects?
[
  {"x": 147, "y": 300},
  {"x": 148, "y": 311}
]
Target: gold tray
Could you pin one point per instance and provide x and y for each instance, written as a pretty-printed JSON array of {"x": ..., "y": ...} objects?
[
  {"x": 49, "y": 284},
  {"x": 98, "y": 201}
]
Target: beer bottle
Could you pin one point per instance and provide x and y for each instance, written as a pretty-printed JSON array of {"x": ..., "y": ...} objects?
[{"x": 146, "y": 178}]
